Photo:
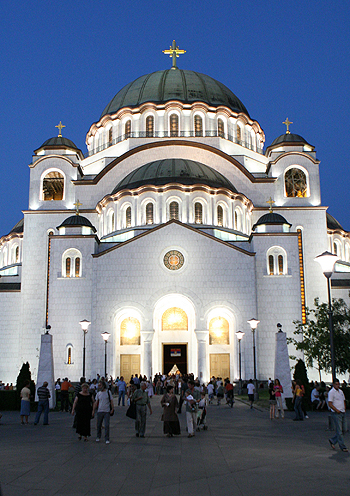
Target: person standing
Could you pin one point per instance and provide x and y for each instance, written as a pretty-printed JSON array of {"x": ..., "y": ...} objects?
[
  {"x": 251, "y": 391},
  {"x": 279, "y": 400},
  {"x": 141, "y": 398},
  {"x": 25, "y": 403},
  {"x": 272, "y": 400},
  {"x": 171, "y": 426},
  {"x": 192, "y": 398},
  {"x": 105, "y": 407},
  {"x": 65, "y": 394},
  {"x": 83, "y": 411},
  {"x": 121, "y": 385},
  {"x": 336, "y": 402},
  {"x": 43, "y": 405},
  {"x": 297, "y": 401}
]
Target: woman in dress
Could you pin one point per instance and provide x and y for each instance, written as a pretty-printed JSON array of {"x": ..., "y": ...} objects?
[
  {"x": 83, "y": 406},
  {"x": 171, "y": 426},
  {"x": 25, "y": 403}
]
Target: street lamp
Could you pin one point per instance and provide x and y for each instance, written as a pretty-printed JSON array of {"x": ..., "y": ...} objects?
[
  {"x": 253, "y": 325},
  {"x": 327, "y": 261},
  {"x": 105, "y": 336},
  {"x": 84, "y": 327},
  {"x": 240, "y": 335}
]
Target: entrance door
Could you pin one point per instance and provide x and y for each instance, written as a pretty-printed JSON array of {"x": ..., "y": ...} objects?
[
  {"x": 175, "y": 354},
  {"x": 220, "y": 365},
  {"x": 129, "y": 365}
]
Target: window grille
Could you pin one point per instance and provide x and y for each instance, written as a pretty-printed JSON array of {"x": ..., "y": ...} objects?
[
  {"x": 149, "y": 126},
  {"x": 149, "y": 213},
  {"x": 17, "y": 254},
  {"x": 239, "y": 133},
  {"x": 174, "y": 210},
  {"x": 220, "y": 216},
  {"x": 280, "y": 264},
  {"x": 127, "y": 129},
  {"x": 128, "y": 217},
  {"x": 69, "y": 360},
  {"x": 68, "y": 262},
  {"x": 174, "y": 125},
  {"x": 271, "y": 265},
  {"x": 110, "y": 135},
  {"x": 198, "y": 213},
  {"x": 77, "y": 267},
  {"x": 221, "y": 128},
  {"x": 198, "y": 125}
]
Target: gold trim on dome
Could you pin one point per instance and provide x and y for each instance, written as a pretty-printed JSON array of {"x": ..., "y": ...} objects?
[{"x": 173, "y": 260}]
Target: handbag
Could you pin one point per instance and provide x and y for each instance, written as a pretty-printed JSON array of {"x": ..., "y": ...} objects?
[{"x": 131, "y": 411}]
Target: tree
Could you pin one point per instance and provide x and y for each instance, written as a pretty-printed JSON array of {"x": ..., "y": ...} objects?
[
  {"x": 24, "y": 376},
  {"x": 315, "y": 342}
]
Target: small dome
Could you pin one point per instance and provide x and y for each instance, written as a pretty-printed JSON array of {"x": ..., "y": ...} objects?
[
  {"x": 332, "y": 223},
  {"x": 271, "y": 218},
  {"x": 58, "y": 142},
  {"x": 75, "y": 221},
  {"x": 181, "y": 85},
  {"x": 289, "y": 138},
  {"x": 174, "y": 170}
]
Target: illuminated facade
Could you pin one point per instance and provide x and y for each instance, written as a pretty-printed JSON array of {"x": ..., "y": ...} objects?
[{"x": 170, "y": 233}]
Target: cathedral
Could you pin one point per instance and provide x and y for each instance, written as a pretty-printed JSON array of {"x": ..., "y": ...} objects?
[{"x": 178, "y": 225}]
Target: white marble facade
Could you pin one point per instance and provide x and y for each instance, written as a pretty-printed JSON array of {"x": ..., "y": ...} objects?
[{"x": 121, "y": 274}]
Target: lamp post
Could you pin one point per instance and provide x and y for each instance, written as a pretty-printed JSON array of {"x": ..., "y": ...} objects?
[
  {"x": 240, "y": 335},
  {"x": 105, "y": 336},
  {"x": 327, "y": 261},
  {"x": 253, "y": 325},
  {"x": 84, "y": 327}
]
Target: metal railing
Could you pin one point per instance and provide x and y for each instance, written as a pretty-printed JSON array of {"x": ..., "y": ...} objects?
[{"x": 172, "y": 134}]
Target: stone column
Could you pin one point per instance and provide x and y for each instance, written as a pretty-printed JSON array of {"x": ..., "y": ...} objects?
[
  {"x": 45, "y": 369},
  {"x": 282, "y": 365},
  {"x": 146, "y": 365},
  {"x": 202, "y": 339}
]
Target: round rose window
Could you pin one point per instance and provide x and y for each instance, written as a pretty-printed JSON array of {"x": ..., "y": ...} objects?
[{"x": 173, "y": 260}]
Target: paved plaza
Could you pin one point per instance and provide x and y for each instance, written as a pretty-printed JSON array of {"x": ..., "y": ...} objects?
[{"x": 243, "y": 452}]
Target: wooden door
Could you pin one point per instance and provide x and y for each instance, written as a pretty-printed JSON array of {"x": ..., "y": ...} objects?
[
  {"x": 129, "y": 365},
  {"x": 220, "y": 365}
]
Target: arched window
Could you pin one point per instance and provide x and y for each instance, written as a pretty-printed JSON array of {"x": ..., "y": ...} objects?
[
  {"x": 239, "y": 134},
  {"x": 219, "y": 331},
  {"x": 149, "y": 213},
  {"x": 110, "y": 221},
  {"x": 130, "y": 332},
  {"x": 174, "y": 210},
  {"x": 69, "y": 356},
  {"x": 198, "y": 213},
  {"x": 238, "y": 220},
  {"x": 347, "y": 252},
  {"x": 198, "y": 125},
  {"x": 53, "y": 186},
  {"x": 110, "y": 136},
  {"x": 68, "y": 264},
  {"x": 17, "y": 254},
  {"x": 71, "y": 263},
  {"x": 221, "y": 128},
  {"x": 295, "y": 183},
  {"x": 128, "y": 129},
  {"x": 335, "y": 248},
  {"x": 150, "y": 126},
  {"x": 174, "y": 125},
  {"x": 220, "y": 213},
  {"x": 128, "y": 217},
  {"x": 276, "y": 261},
  {"x": 174, "y": 319}
]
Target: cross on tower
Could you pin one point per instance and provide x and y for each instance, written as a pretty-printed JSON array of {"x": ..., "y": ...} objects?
[
  {"x": 287, "y": 122},
  {"x": 77, "y": 205},
  {"x": 60, "y": 126},
  {"x": 270, "y": 201},
  {"x": 174, "y": 52}
]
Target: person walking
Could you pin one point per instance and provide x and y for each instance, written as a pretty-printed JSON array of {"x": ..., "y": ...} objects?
[
  {"x": 65, "y": 386},
  {"x": 105, "y": 407},
  {"x": 142, "y": 401},
  {"x": 43, "y": 405},
  {"x": 83, "y": 411},
  {"x": 279, "y": 400},
  {"x": 192, "y": 398},
  {"x": 171, "y": 424},
  {"x": 121, "y": 385},
  {"x": 251, "y": 391},
  {"x": 336, "y": 402},
  {"x": 25, "y": 403}
]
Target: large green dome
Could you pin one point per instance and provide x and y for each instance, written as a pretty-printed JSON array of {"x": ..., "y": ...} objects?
[
  {"x": 174, "y": 170},
  {"x": 174, "y": 84}
]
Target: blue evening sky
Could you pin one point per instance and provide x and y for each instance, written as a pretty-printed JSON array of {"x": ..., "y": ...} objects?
[{"x": 66, "y": 60}]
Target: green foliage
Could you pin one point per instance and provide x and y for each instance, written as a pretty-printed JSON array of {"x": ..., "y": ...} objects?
[
  {"x": 315, "y": 337},
  {"x": 23, "y": 376}
]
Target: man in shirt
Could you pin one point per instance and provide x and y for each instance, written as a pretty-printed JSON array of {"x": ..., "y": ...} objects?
[
  {"x": 141, "y": 398},
  {"x": 336, "y": 402},
  {"x": 105, "y": 407},
  {"x": 65, "y": 394},
  {"x": 251, "y": 391},
  {"x": 192, "y": 398},
  {"x": 121, "y": 384},
  {"x": 43, "y": 405}
]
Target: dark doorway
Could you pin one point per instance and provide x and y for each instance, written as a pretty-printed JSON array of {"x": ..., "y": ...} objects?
[{"x": 175, "y": 354}]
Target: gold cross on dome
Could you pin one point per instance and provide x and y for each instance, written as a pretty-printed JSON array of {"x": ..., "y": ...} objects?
[
  {"x": 174, "y": 52},
  {"x": 287, "y": 122},
  {"x": 60, "y": 126},
  {"x": 271, "y": 202},
  {"x": 77, "y": 205}
]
